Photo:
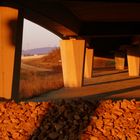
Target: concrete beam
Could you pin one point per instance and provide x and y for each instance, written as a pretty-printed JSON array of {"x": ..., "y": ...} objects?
[
  {"x": 52, "y": 15},
  {"x": 72, "y": 55},
  {"x": 133, "y": 61},
  {"x": 10, "y": 42},
  {"x": 88, "y": 63},
  {"x": 106, "y": 29},
  {"x": 119, "y": 60}
]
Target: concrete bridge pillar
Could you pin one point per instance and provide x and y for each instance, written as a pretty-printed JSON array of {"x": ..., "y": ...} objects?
[
  {"x": 119, "y": 60},
  {"x": 133, "y": 54},
  {"x": 11, "y": 23},
  {"x": 72, "y": 55},
  {"x": 88, "y": 63}
]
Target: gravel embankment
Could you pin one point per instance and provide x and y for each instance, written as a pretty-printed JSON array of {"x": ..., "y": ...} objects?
[
  {"x": 71, "y": 120},
  {"x": 115, "y": 121}
]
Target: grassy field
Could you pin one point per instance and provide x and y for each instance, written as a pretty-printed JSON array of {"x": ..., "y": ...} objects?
[{"x": 42, "y": 74}]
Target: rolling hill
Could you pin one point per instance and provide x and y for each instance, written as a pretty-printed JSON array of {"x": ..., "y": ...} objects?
[{"x": 38, "y": 51}]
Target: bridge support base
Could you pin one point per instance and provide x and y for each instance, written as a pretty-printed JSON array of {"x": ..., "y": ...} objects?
[
  {"x": 119, "y": 60},
  {"x": 133, "y": 61},
  {"x": 10, "y": 51},
  {"x": 88, "y": 63},
  {"x": 72, "y": 55}
]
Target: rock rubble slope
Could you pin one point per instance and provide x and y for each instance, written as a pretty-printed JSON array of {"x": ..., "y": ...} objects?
[{"x": 70, "y": 120}]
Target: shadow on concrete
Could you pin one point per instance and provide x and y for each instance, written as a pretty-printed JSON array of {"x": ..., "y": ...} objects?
[
  {"x": 14, "y": 38},
  {"x": 107, "y": 95},
  {"x": 13, "y": 30},
  {"x": 104, "y": 68},
  {"x": 9, "y": 38},
  {"x": 107, "y": 74},
  {"x": 107, "y": 82},
  {"x": 122, "y": 98},
  {"x": 16, "y": 27}
]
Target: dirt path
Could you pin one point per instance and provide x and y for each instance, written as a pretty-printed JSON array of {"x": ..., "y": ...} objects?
[
  {"x": 33, "y": 68},
  {"x": 32, "y": 57}
]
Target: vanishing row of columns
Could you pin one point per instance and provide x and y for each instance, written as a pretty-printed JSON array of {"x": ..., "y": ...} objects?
[
  {"x": 77, "y": 60},
  {"x": 133, "y": 60}
]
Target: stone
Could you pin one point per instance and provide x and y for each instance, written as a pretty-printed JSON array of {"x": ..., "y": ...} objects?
[
  {"x": 53, "y": 135},
  {"x": 76, "y": 117},
  {"x": 93, "y": 138},
  {"x": 58, "y": 126}
]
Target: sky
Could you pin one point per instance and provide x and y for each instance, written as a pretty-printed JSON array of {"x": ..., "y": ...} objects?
[{"x": 35, "y": 36}]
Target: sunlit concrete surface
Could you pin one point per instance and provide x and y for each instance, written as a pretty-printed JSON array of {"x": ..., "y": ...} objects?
[
  {"x": 89, "y": 55},
  {"x": 8, "y": 32},
  {"x": 72, "y": 55},
  {"x": 133, "y": 61},
  {"x": 106, "y": 83}
]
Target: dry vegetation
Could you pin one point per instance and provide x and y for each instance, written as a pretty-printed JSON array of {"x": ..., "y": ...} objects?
[
  {"x": 36, "y": 85},
  {"x": 34, "y": 82},
  {"x": 49, "y": 61}
]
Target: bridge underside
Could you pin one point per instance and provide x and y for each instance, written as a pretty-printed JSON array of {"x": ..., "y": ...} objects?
[{"x": 110, "y": 28}]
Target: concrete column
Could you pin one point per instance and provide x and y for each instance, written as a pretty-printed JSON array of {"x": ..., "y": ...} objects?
[
  {"x": 88, "y": 63},
  {"x": 10, "y": 43},
  {"x": 133, "y": 61},
  {"x": 119, "y": 60},
  {"x": 72, "y": 55}
]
